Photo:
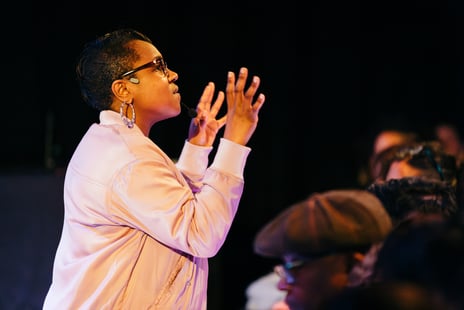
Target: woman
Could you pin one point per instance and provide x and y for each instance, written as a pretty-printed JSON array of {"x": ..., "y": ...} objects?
[{"x": 138, "y": 228}]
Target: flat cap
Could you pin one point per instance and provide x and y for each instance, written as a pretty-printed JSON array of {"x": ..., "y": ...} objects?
[{"x": 329, "y": 222}]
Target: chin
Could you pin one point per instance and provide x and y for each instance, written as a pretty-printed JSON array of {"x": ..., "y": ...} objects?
[{"x": 175, "y": 112}]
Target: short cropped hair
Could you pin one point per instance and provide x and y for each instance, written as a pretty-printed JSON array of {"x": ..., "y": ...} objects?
[{"x": 103, "y": 61}]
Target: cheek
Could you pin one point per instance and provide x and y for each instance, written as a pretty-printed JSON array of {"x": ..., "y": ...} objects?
[
  {"x": 321, "y": 280},
  {"x": 159, "y": 94},
  {"x": 339, "y": 281}
]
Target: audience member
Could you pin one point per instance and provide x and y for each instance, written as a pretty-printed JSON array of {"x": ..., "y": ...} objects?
[
  {"x": 450, "y": 138},
  {"x": 415, "y": 177},
  {"x": 426, "y": 159},
  {"x": 401, "y": 197},
  {"x": 383, "y": 140},
  {"x": 411, "y": 194},
  {"x": 408, "y": 175},
  {"x": 391, "y": 137},
  {"x": 385, "y": 296},
  {"x": 262, "y": 294},
  {"x": 427, "y": 250},
  {"x": 319, "y": 240}
]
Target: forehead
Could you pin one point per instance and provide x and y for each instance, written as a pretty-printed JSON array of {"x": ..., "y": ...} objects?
[
  {"x": 387, "y": 139},
  {"x": 146, "y": 51}
]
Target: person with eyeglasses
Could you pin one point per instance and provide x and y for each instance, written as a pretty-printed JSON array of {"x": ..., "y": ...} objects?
[
  {"x": 319, "y": 239},
  {"x": 138, "y": 227},
  {"x": 412, "y": 177}
]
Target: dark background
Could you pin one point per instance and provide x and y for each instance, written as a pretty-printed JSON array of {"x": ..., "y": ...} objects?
[{"x": 333, "y": 72}]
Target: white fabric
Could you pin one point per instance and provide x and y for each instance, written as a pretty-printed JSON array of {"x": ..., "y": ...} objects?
[
  {"x": 263, "y": 294},
  {"x": 135, "y": 235}
]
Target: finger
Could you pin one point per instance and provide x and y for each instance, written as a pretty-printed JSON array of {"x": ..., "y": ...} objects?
[
  {"x": 222, "y": 121},
  {"x": 251, "y": 91},
  {"x": 259, "y": 103},
  {"x": 194, "y": 124},
  {"x": 217, "y": 104},
  {"x": 206, "y": 97},
  {"x": 230, "y": 95},
  {"x": 211, "y": 94},
  {"x": 242, "y": 77}
]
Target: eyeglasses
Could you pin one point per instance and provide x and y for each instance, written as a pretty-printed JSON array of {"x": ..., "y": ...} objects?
[
  {"x": 437, "y": 166},
  {"x": 421, "y": 150},
  {"x": 157, "y": 63},
  {"x": 284, "y": 271}
]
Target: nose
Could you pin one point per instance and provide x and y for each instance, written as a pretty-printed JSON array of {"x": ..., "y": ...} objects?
[{"x": 172, "y": 75}]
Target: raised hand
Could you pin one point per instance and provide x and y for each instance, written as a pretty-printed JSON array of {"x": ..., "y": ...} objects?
[
  {"x": 204, "y": 127},
  {"x": 242, "y": 114}
]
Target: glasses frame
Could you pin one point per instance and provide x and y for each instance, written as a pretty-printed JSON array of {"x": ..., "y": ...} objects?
[
  {"x": 417, "y": 151},
  {"x": 157, "y": 63},
  {"x": 284, "y": 271},
  {"x": 428, "y": 152}
]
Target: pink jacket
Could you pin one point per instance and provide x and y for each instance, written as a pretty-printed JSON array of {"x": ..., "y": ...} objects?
[{"x": 138, "y": 228}]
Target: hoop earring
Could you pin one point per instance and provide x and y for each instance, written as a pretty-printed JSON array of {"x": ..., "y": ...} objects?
[{"x": 128, "y": 122}]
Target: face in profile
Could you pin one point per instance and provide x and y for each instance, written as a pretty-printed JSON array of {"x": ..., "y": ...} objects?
[{"x": 311, "y": 282}]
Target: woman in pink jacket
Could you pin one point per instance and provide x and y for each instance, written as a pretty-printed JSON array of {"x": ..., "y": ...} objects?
[{"x": 138, "y": 228}]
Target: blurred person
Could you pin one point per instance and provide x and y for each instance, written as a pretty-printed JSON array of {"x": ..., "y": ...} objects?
[
  {"x": 394, "y": 295},
  {"x": 138, "y": 228},
  {"x": 426, "y": 249},
  {"x": 383, "y": 140},
  {"x": 449, "y": 137},
  {"x": 409, "y": 174},
  {"x": 423, "y": 158},
  {"x": 390, "y": 137},
  {"x": 401, "y": 197},
  {"x": 262, "y": 294},
  {"x": 410, "y": 238},
  {"x": 319, "y": 240},
  {"x": 417, "y": 176}
]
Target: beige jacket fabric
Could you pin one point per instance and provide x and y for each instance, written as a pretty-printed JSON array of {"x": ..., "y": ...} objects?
[{"x": 138, "y": 228}]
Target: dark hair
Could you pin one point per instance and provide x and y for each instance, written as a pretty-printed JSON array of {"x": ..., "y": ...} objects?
[
  {"x": 104, "y": 60},
  {"x": 427, "y": 250},
  {"x": 427, "y": 156},
  {"x": 402, "y": 196},
  {"x": 385, "y": 296},
  {"x": 404, "y": 254}
]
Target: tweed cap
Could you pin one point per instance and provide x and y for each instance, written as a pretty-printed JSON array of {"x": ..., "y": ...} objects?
[{"x": 324, "y": 223}]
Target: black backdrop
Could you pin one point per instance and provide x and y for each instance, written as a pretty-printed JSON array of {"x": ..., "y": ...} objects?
[{"x": 333, "y": 72}]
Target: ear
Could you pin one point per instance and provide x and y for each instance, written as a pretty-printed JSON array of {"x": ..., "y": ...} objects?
[{"x": 120, "y": 90}]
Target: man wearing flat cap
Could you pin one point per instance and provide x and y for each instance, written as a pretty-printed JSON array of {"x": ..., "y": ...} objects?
[{"x": 319, "y": 240}]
